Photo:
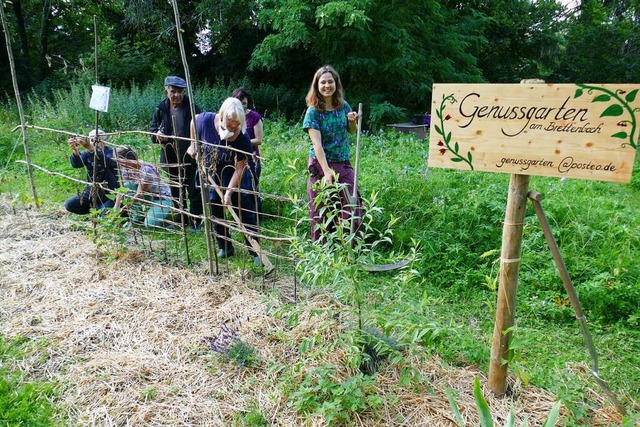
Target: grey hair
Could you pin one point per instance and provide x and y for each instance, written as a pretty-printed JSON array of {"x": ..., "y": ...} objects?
[{"x": 233, "y": 108}]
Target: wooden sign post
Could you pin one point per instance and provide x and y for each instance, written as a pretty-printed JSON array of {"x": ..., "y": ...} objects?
[
  {"x": 585, "y": 131},
  {"x": 508, "y": 280}
]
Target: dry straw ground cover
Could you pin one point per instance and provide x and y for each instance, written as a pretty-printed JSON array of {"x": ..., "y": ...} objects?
[{"x": 124, "y": 340}]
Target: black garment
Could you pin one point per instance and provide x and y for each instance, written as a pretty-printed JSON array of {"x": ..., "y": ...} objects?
[
  {"x": 174, "y": 151},
  {"x": 80, "y": 204},
  {"x": 101, "y": 165},
  {"x": 220, "y": 165}
]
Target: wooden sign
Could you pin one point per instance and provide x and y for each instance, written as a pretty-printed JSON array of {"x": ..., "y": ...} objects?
[{"x": 587, "y": 131}]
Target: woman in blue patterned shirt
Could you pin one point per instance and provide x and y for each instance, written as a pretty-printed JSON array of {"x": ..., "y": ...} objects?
[{"x": 328, "y": 121}]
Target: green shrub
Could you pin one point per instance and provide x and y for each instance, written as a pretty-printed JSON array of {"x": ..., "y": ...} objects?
[
  {"x": 609, "y": 300},
  {"x": 321, "y": 392}
]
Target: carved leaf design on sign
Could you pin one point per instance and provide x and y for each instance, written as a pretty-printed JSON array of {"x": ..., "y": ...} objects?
[
  {"x": 447, "y": 136},
  {"x": 618, "y": 108}
]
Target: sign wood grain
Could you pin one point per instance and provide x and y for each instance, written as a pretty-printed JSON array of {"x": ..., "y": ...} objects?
[{"x": 586, "y": 131}]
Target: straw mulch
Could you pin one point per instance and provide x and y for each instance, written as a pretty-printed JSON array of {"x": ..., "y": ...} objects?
[{"x": 125, "y": 340}]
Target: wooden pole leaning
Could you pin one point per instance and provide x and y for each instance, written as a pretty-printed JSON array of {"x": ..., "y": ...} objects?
[
  {"x": 508, "y": 283},
  {"x": 14, "y": 79},
  {"x": 536, "y": 198},
  {"x": 353, "y": 200},
  {"x": 94, "y": 189},
  {"x": 268, "y": 266}
]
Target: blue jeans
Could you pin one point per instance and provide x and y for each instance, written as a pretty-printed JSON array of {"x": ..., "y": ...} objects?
[{"x": 152, "y": 215}]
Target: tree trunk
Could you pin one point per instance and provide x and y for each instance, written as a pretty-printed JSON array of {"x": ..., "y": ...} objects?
[
  {"x": 43, "y": 65},
  {"x": 22, "y": 30},
  {"x": 22, "y": 56}
]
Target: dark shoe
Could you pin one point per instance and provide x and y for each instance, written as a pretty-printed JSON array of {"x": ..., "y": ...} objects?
[{"x": 226, "y": 253}]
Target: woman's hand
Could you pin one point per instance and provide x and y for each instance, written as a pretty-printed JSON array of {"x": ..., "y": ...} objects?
[
  {"x": 73, "y": 143},
  {"x": 86, "y": 144},
  {"x": 77, "y": 141},
  {"x": 192, "y": 150},
  {"x": 328, "y": 178},
  {"x": 352, "y": 122},
  {"x": 227, "y": 198}
]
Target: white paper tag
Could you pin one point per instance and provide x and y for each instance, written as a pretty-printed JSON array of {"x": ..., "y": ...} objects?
[{"x": 100, "y": 98}]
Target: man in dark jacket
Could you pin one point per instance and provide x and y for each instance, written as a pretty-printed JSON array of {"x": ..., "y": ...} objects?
[{"x": 176, "y": 109}]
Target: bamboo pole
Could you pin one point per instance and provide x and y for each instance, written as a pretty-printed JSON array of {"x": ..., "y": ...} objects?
[
  {"x": 204, "y": 193},
  {"x": 94, "y": 189},
  {"x": 25, "y": 145},
  {"x": 354, "y": 196},
  {"x": 508, "y": 284}
]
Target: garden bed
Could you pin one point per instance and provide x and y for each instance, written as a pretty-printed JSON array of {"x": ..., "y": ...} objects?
[
  {"x": 124, "y": 341},
  {"x": 420, "y": 130}
]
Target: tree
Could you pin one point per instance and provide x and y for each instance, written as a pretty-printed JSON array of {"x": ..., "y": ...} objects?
[
  {"x": 388, "y": 52},
  {"x": 523, "y": 39},
  {"x": 52, "y": 36},
  {"x": 602, "y": 44}
]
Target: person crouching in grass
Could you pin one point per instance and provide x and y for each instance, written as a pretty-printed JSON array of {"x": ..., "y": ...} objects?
[
  {"x": 144, "y": 182},
  {"x": 97, "y": 159}
]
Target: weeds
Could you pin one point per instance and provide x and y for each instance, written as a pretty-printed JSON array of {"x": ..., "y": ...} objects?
[
  {"x": 486, "y": 419},
  {"x": 376, "y": 347},
  {"x": 321, "y": 392},
  {"x": 252, "y": 418},
  {"x": 107, "y": 232}
]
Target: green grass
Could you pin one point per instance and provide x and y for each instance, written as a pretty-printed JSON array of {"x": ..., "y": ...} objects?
[
  {"x": 23, "y": 402},
  {"x": 456, "y": 218}
]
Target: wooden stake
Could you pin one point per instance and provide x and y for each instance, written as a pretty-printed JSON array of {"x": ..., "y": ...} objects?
[
  {"x": 354, "y": 197},
  {"x": 573, "y": 297},
  {"x": 268, "y": 266},
  {"x": 25, "y": 146},
  {"x": 508, "y": 284},
  {"x": 204, "y": 190}
]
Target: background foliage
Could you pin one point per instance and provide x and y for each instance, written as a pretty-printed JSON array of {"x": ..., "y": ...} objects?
[{"x": 388, "y": 52}]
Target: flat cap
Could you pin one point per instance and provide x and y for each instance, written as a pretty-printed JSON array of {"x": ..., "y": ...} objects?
[
  {"x": 174, "y": 81},
  {"x": 101, "y": 133}
]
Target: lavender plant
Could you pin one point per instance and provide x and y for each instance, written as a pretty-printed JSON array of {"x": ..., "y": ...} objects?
[{"x": 228, "y": 345}]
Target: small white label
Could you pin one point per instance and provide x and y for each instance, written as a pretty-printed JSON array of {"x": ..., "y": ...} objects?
[{"x": 100, "y": 98}]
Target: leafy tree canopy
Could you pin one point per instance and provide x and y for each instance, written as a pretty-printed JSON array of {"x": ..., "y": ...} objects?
[{"x": 389, "y": 52}]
